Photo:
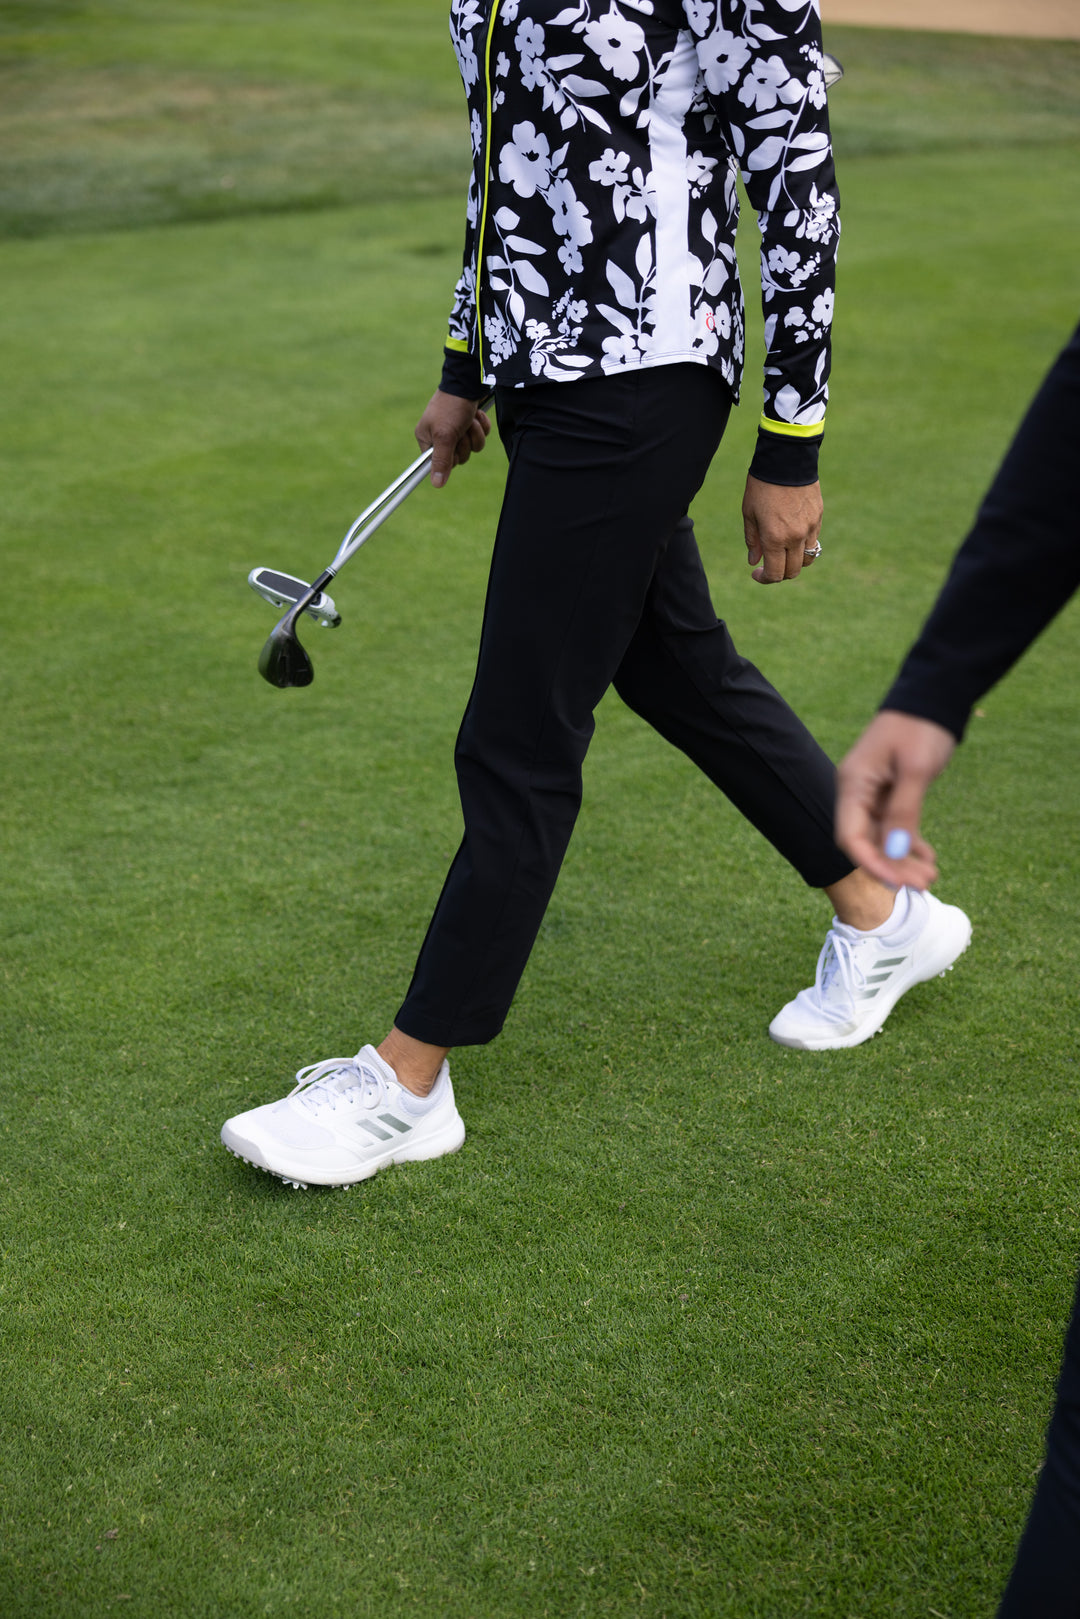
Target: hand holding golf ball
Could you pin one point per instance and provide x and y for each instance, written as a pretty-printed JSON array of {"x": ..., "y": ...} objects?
[{"x": 882, "y": 785}]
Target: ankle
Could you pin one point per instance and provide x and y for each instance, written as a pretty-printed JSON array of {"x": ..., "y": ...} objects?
[
  {"x": 861, "y": 902},
  {"x": 416, "y": 1064}
]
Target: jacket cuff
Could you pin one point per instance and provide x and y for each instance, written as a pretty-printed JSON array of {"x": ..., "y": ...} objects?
[
  {"x": 461, "y": 375},
  {"x": 929, "y": 689},
  {"x": 779, "y": 458}
]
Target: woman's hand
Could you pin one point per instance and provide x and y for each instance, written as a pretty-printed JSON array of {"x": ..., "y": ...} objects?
[
  {"x": 881, "y": 787},
  {"x": 781, "y": 525},
  {"x": 452, "y": 428}
]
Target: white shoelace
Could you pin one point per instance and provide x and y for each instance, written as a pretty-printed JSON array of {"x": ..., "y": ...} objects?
[
  {"x": 324, "y": 1084},
  {"x": 838, "y": 977}
]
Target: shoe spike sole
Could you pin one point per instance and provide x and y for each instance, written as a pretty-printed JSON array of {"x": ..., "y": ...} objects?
[{"x": 300, "y": 1186}]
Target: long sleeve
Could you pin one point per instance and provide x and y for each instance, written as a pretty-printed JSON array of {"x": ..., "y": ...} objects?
[
  {"x": 764, "y": 70},
  {"x": 1017, "y": 568},
  {"x": 607, "y": 136},
  {"x": 461, "y": 366}
]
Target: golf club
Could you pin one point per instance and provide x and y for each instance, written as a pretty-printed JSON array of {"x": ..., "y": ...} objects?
[
  {"x": 283, "y": 661},
  {"x": 284, "y": 589}
]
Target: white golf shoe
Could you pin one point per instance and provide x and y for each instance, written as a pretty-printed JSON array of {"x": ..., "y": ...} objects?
[
  {"x": 346, "y": 1119},
  {"x": 861, "y": 976}
]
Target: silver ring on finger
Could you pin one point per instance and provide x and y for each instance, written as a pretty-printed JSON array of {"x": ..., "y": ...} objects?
[{"x": 812, "y": 552}]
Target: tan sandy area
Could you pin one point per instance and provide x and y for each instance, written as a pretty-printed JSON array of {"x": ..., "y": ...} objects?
[{"x": 1043, "y": 19}]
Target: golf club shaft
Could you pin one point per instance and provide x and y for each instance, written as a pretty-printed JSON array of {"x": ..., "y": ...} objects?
[
  {"x": 283, "y": 661},
  {"x": 389, "y": 501},
  {"x": 379, "y": 510}
]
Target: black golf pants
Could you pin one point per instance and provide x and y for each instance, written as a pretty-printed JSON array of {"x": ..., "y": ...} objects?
[
  {"x": 1045, "y": 1581},
  {"x": 596, "y": 580}
]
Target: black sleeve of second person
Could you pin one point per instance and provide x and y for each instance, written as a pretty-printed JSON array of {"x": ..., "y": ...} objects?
[{"x": 1017, "y": 568}]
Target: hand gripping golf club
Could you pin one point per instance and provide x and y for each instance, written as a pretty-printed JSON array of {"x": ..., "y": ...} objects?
[{"x": 283, "y": 661}]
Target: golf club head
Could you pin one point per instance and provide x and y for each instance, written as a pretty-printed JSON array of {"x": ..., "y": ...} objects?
[
  {"x": 283, "y": 661},
  {"x": 282, "y": 590}
]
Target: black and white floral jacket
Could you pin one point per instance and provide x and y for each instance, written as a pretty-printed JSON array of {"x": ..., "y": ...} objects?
[{"x": 607, "y": 136}]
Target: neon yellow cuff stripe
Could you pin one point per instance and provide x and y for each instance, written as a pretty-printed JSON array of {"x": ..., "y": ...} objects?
[
  {"x": 792, "y": 429},
  {"x": 458, "y": 344}
]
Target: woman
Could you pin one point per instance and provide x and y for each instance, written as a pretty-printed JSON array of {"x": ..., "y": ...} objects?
[
  {"x": 600, "y": 298},
  {"x": 1019, "y": 566}
]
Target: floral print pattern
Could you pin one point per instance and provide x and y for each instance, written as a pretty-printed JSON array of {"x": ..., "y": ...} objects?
[{"x": 607, "y": 137}]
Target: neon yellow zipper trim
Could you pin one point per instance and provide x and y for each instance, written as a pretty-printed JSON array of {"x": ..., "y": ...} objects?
[{"x": 487, "y": 183}]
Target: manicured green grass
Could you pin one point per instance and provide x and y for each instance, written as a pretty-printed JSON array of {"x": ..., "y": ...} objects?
[
  {"x": 693, "y": 1325},
  {"x": 123, "y": 114}
]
